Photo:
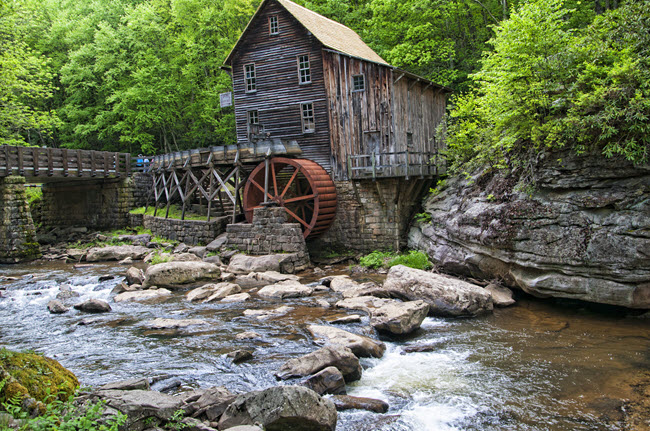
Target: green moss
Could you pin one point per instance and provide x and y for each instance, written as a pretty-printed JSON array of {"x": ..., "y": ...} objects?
[{"x": 34, "y": 375}]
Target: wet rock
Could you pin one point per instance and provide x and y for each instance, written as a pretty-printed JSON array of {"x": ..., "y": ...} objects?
[
  {"x": 212, "y": 292},
  {"x": 75, "y": 254},
  {"x": 248, "y": 335},
  {"x": 245, "y": 428},
  {"x": 191, "y": 424},
  {"x": 399, "y": 317},
  {"x": 198, "y": 251},
  {"x": 103, "y": 278},
  {"x": 178, "y": 273},
  {"x": 216, "y": 260},
  {"x": 341, "y": 283},
  {"x": 327, "y": 381},
  {"x": 127, "y": 261},
  {"x": 501, "y": 296},
  {"x": 239, "y": 297},
  {"x": 240, "y": 355},
  {"x": 360, "y": 345},
  {"x": 142, "y": 239},
  {"x": 265, "y": 314},
  {"x": 292, "y": 408},
  {"x": 419, "y": 348},
  {"x": 134, "y": 275},
  {"x": 329, "y": 356},
  {"x": 116, "y": 252},
  {"x": 161, "y": 323},
  {"x": 259, "y": 279},
  {"x": 169, "y": 385},
  {"x": 446, "y": 296},
  {"x": 181, "y": 248},
  {"x": 320, "y": 302},
  {"x": 363, "y": 303},
  {"x": 285, "y": 289},
  {"x": 138, "y": 406},
  {"x": 218, "y": 242},
  {"x": 243, "y": 264},
  {"x": 67, "y": 294},
  {"x": 211, "y": 404},
  {"x": 150, "y": 295},
  {"x": 185, "y": 257},
  {"x": 347, "y": 402},
  {"x": 127, "y": 385},
  {"x": 352, "y": 318},
  {"x": 56, "y": 307},
  {"x": 123, "y": 287},
  {"x": 93, "y": 306}
]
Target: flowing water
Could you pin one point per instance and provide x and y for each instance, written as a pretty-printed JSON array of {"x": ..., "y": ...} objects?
[{"x": 539, "y": 365}]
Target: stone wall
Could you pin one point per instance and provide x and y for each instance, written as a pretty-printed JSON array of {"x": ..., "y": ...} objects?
[
  {"x": 190, "y": 232},
  {"x": 582, "y": 232},
  {"x": 17, "y": 233},
  {"x": 142, "y": 189},
  {"x": 97, "y": 204},
  {"x": 268, "y": 234},
  {"x": 373, "y": 215}
]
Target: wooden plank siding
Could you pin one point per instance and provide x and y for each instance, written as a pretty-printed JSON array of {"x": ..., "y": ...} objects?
[{"x": 279, "y": 95}]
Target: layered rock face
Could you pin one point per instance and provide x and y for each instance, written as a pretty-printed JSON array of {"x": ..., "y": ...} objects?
[{"x": 583, "y": 232}]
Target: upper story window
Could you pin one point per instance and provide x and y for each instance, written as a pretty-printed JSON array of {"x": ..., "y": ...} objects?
[
  {"x": 253, "y": 117},
  {"x": 304, "y": 72},
  {"x": 358, "y": 83},
  {"x": 308, "y": 123},
  {"x": 274, "y": 28},
  {"x": 249, "y": 77}
]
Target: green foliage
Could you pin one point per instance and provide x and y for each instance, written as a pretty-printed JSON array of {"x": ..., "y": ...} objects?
[
  {"x": 175, "y": 423},
  {"x": 387, "y": 259},
  {"x": 548, "y": 85},
  {"x": 440, "y": 185},
  {"x": 423, "y": 217},
  {"x": 175, "y": 212},
  {"x": 34, "y": 195},
  {"x": 160, "y": 258}
]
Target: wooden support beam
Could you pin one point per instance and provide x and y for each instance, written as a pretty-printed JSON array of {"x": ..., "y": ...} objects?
[
  {"x": 50, "y": 163},
  {"x": 35, "y": 161},
  {"x": 21, "y": 167},
  {"x": 64, "y": 153}
]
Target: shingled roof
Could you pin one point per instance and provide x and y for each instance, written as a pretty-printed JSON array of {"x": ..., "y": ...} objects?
[{"x": 330, "y": 33}]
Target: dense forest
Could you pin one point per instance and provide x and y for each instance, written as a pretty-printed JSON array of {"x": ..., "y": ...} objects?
[{"x": 144, "y": 76}]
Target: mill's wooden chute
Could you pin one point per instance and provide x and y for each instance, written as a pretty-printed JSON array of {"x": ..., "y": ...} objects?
[{"x": 302, "y": 187}]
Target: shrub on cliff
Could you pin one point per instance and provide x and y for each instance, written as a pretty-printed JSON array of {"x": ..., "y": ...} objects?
[{"x": 547, "y": 85}]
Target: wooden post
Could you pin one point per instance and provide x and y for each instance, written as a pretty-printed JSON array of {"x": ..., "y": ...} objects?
[
  {"x": 127, "y": 164},
  {"x": 21, "y": 168},
  {"x": 8, "y": 168},
  {"x": 50, "y": 163},
  {"x": 93, "y": 166},
  {"x": 349, "y": 167},
  {"x": 374, "y": 167},
  {"x": 407, "y": 164},
  {"x": 35, "y": 160},
  {"x": 116, "y": 162},
  {"x": 80, "y": 164},
  {"x": 234, "y": 208},
  {"x": 64, "y": 154},
  {"x": 106, "y": 164},
  {"x": 210, "y": 188}
]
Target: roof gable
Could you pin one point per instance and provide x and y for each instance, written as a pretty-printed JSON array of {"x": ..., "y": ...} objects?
[{"x": 330, "y": 33}]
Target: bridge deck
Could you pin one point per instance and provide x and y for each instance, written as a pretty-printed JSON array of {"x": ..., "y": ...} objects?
[{"x": 55, "y": 164}]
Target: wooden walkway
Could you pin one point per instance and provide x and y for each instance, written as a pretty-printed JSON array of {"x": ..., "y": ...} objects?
[{"x": 55, "y": 164}]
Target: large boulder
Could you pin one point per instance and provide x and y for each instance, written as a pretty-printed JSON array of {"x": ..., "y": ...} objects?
[
  {"x": 212, "y": 292},
  {"x": 501, "y": 296},
  {"x": 285, "y": 289},
  {"x": 211, "y": 404},
  {"x": 151, "y": 295},
  {"x": 260, "y": 279},
  {"x": 329, "y": 356},
  {"x": 363, "y": 303},
  {"x": 56, "y": 307},
  {"x": 281, "y": 408},
  {"x": 347, "y": 402},
  {"x": 360, "y": 345},
  {"x": 581, "y": 233},
  {"x": 327, "y": 381},
  {"x": 399, "y": 317},
  {"x": 134, "y": 276},
  {"x": 116, "y": 252},
  {"x": 244, "y": 264},
  {"x": 170, "y": 274},
  {"x": 93, "y": 306},
  {"x": 446, "y": 296}
]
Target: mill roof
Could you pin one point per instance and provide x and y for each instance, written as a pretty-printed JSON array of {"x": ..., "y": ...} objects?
[{"x": 330, "y": 33}]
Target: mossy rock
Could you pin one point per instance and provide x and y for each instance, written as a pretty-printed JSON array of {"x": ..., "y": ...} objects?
[{"x": 35, "y": 376}]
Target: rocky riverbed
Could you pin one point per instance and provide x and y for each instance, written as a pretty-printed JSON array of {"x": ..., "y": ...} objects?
[{"x": 427, "y": 360}]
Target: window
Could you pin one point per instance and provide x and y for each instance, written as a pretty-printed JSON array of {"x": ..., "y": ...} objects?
[
  {"x": 308, "y": 124},
  {"x": 304, "y": 73},
  {"x": 358, "y": 83},
  {"x": 273, "y": 25},
  {"x": 253, "y": 118},
  {"x": 249, "y": 77}
]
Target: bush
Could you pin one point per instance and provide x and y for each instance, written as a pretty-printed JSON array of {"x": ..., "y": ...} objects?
[{"x": 386, "y": 259}]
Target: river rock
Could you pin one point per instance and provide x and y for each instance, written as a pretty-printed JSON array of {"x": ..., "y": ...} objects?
[
  {"x": 260, "y": 279},
  {"x": 501, "y": 296},
  {"x": 284, "y": 290},
  {"x": 139, "y": 405},
  {"x": 212, "y": 292},
  {"x": 247, "y": 335},
  {"x": 185, "y": 257},
  {"x": 239, "y": 297},
  {"x": 127, "y": 385},
  {"x": 351, "y": 318},
  {"x": 162, "y": 323},
  {"x": 363, "y": 303},
  {"x": 580, "y": 234},
  {"x": 134, "y": 275},
  {"x": 240, "y": 355},
  {"x": 245, "y": 428},
  {"x": 244, "y": 264},
  {"x": 218, "y": 242},
  {"x": 329, "y": 356},
  {"x": 75, "y": 254},
  {"x": 215, "y": 260},
  {"x": 294, "y": 408},
  {"x": 142, "y": 239},
  {"x": 211, "y": 404},
  {"x": 93, "y": 306},
  {"x": 327, "y": 381},
  {"x": 56, "y": 307},
  {"x": 399, "y": 317},
  {"x": 151, "y": 295},
  {"x": 198, "y": 251},
  {"x": 360, "y": 345},
  {"x": 347, "y": 402},
  {"x": 265, "y": 314},
  {"x": 116, "y": 252},
  {"x": 181, "y": 248},
  {"x": 67, "y": 294},
  {"x": 445, "y": 295},
  {"x": 178, "y": 273}
]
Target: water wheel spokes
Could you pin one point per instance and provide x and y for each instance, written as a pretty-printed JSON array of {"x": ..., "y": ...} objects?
[{"x": 302, "y": 187}]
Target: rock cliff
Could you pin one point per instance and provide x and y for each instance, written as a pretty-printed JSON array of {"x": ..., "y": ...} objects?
[{"x": 583, "y": 232}]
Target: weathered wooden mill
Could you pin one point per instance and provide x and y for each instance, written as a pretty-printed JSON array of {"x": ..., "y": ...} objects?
[{"x": 328, "y": 130}]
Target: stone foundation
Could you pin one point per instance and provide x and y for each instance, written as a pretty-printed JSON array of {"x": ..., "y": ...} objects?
[
  {"x": 17, "y": 233},
  {"x": 268, "y": 234},
  {"x": 373, "y": 215},
  {"x": 97, "y": 204},
  {"x": 142, "y": 189},
  {"x": 191, "y": 232}
]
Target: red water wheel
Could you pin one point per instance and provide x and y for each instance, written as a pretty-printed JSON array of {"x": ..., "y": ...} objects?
[{"x": 302, "y": 187}]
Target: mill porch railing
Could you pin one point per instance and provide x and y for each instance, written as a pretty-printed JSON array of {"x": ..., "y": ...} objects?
[{"x": 401, "y": 164}]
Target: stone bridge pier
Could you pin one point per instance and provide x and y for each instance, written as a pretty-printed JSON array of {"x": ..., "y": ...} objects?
[{"x": 17, "y": 233}]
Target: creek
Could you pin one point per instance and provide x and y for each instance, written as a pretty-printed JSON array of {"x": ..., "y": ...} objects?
[{"x": 538, "y": 365}]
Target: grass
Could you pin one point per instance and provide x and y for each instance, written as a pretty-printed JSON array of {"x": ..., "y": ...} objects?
[
  {"x": 159, "y": 258},
  {"x": 175, "y": 212},
  {"x": 387, "y": 259},
  {"x": 113, "y": 239}
]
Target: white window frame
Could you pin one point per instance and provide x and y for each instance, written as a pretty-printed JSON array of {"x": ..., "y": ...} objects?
[
  {"x": 274, "y": 25},
  {"x": 250, "y": 78},
  {"x": 354, "y": 82},
  {"x": 308, "y": 117},
  {"x": 304, "y": 69}
]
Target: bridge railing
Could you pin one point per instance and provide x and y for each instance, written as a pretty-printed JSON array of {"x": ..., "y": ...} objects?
[
  {"x": 396, "y": 164},
  {"x": 62, "y": 162}
]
